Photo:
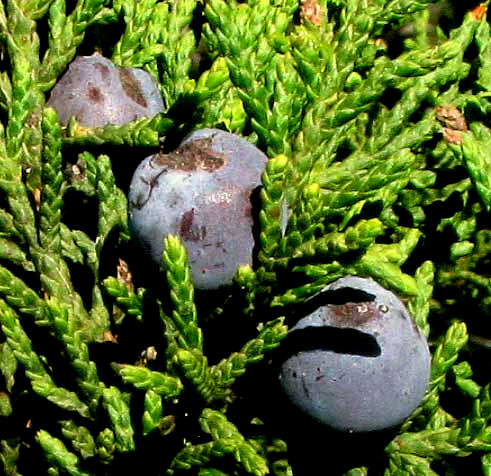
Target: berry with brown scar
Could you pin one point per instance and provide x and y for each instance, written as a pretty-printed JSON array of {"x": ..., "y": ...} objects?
[
  {"x": 200, "y": 192},
  {"x": 97, "y": 92},
  {"x": 356, "y": 361}
]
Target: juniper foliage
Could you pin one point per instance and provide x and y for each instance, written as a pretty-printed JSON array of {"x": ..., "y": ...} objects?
[{"x": 376, "y": 121}]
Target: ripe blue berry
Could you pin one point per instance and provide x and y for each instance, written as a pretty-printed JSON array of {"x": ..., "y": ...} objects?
[
  {"x": 97, "y": 92},
  {"x": 357, "y": 362},
  {"x": 201, "y": 192}
]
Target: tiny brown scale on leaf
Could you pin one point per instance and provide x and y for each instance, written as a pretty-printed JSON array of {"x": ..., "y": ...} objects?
[
  {"x": 311, "y": 11},
  {"x": 192, "y": 156},
  {"x": 131, "y": 87},
  {"x": 353, "y": 314},
  {"x": 454, "y": 123},
  {"x": 124, "y": 274},
  {"x": 451, "y": 117}
]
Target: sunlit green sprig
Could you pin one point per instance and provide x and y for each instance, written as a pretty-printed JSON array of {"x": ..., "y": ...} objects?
[
  {"x": 227, "y": 440},
  {"x": 172, "y": 29},
  {"x": 301, "y": 219},
  {"x": 483, "y": 42},
  {"x": 463, "y": 373},
  {"x": 471, "y": 434},
  {"x": 52, "y": 190},
  {"x": 313, "y": 48},
  {"x": 478, "y": 160},
  {"x": 443, "y": 358},
  {"x": 181, "y": 288},
  {"x": 36, "y": 9},
  {"x": 57, "y": 454},
  {"x": 387, "y": 73},
  {"x": 67, "y": 331},
  {"x": 259, "y": 77},
  {"x": 12, "y": 153},
  {"x": 218, "y": 99},
  {"x": 402, "y": 464},
  {"x": 211, "y": 472},
  {"x": 201, "y": 454},
  {"x": 119, "y": 414},
  {"x": 416, "y": 91},
  {"x": 41, "y": 381},
  {"x": 83, "y": 174},
  {"x": 149, "y": 380},
  {"x": 99, "y": 327},
  {"x": 9, "y": 456},
  {"x": 228, "y": 370},
  {"x": 216, "y": 424},
  {"x": 113, "y": 204},
  {"x": 136, "y": 16},
  {"x": 395, "y": 10},
  {"x": 274, "y": 213},
  {"x": 145, "y": 132},
  {"x": 5, "y": 91},
  {"x": 5, "y": 405},
  {"x": 153, "y": 412},
  {"x": 377, "y": 180},
  {"x": 56, "y": 282},
  {"x": 14, "y": 253},
  {"x": 419, "y": 305},
  {"x": 20, "y": 297},
  {"x": 80, "y": 438},
  {"x": 319, "y": 274},
  {"x": 284, "y": 117},
  {"x": 383, "y": 262},
  {"x": 106, "y": 445},
  {"x": 8, "y": 365},
  {"x": 362, "y": 471},
  {"x": 7, "y": 227},
  {"x": 194, "y": 366},
  {"x": 24, "y": 137},
  {"x": 66, "y": 34},
  {"x": 130, "y": 302},
  {"x": 357, "y": 237},
  {"x": 355, "y": 27}
]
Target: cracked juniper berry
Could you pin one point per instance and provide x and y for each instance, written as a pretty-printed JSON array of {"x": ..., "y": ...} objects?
[
  {"x": 356, "y": 362},
  {"x": 200, "y": 192},
  {"x": 97, "y": 92}
]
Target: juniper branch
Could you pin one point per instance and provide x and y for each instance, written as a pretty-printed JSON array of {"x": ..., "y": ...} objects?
[
  {"x": 9, "y": 455},
  {"x": 137, "y": 16},
  {"x": 444, "y": 357},
  {"x": 8, "y": 365},
  {"x": 41, "y": 381},
  {"x": 153, "y": 413},
  {"x": 145, "y": 379},
  {"x": 66, "y": 34},
  {"x": 217, "y": 425},
  {"x": 66, "y": 329},
  {"x": 57, "y": 453},
  {"x": 145, "y": 132},
  {"x": 130, "y": 302},
  {"x": 182, "y": 294},
  {"x": 119, "y": 414},
  {"x": 80, "y": 438},
  {"x": 228, "y": 370},
  {"x": 52, "y": 178}
]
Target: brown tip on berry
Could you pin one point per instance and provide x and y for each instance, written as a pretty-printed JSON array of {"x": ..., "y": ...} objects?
[
  {"x": 353, "y": 314},
  {"x": 196, "y": 155},
  {"x": 131, "y": 87},
  {"x": 94, "y": 94}
]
